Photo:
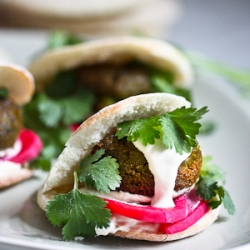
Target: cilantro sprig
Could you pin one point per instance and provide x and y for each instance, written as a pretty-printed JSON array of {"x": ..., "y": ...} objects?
[
  {"x": 80, "y": 214},
  {"x": 64, "y": 111},
  {"x": 210, "y": 188},
  {"x": 51, "y": 120},
  {"x": 176, "y": 129},
  {"x": 100, "y": 173}
]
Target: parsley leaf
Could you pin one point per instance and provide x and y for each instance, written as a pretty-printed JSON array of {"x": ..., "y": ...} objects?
[
  {"x": 209, "y": 188},
  {"x": 177, "y": 128},
  {"x": 100, "y": 172},
  {"x": 78, "y": 213}
]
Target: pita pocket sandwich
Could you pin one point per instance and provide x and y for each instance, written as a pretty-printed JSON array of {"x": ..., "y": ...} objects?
[
  {"x": 133, "y": 170},
  {"x": 74, "y": 82},
  {"x": 17, "y": 145}
]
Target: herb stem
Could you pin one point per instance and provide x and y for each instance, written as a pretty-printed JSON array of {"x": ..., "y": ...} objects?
[
  {"x": 239, "y": 76},
  {"x": 75, "y": 181}
]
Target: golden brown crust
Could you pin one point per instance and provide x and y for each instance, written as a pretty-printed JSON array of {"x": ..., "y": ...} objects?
[{"x": 18, "y": 81}]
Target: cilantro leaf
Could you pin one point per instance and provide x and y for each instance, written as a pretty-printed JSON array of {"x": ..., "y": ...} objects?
[
  {"x": 68, "y": 110},
  {"x": 145, "y": 129},
  {"x": 62, "y": 85},
  {"x": 207, "y": 127},
  {"x": 209, "y": 188},
  {"x": 78, "y": 213},
  {"x": 240, "y": 77},
  {"x": 173, "y": 136},
  {"x": 228, "y": 203},
  {"x": 53, "y": 138},
  {"x": 212, "y": 171},
  {"x": 177, "y": 128},
  {"x": 3, "y": 93},
  {"x": 41, "y": 163},
  {"x": 160, "y": 83},
  {"x": 59, "y": 38},
  {"x": 77, "y": 107},
  {"x": 100, "y": 172},
  {"x": 51, "y": 120},
  {"x": 50, "y": 111}
]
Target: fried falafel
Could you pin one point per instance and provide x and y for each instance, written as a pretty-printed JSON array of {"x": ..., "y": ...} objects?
[
  {"x": 11, "y": 122},
  {"x": 134, "y": 170}
]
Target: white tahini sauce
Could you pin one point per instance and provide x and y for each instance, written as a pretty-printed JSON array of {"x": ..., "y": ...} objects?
[
  {"x": 164, "y": 164},
  {"x": 118, "y": 195},
  {"x": 7, "y": 168},
  {"x": 10, "y": 152},
  {"x": 126, "y": 224}
]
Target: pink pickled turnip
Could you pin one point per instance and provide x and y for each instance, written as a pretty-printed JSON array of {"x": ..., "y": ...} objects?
[
  {"x": 184, "y": 205},
  {"x": 31, "y": 147},
  {"x": 149, "y": 213},
  {"x": 191, "y": 219}
]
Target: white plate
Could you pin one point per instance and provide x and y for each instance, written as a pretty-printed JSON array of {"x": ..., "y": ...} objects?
[{"x": 23, "y": 224}]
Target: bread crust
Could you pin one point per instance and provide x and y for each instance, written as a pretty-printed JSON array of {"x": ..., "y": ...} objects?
[
  {"x": 18, "y": 81},
  {"x": 117, "y": 50}
]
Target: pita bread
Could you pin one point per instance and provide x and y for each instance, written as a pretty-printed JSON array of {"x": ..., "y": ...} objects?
[
  {"x": 12, "y": 173},
  {"x": 93, "y": 18},
  {"x": 20, "y": 84},
  {"x": 208, "y": 219},
  {"x": 18, "y": 81},
  {"x": 73, "y": 9},
  {"x": 117, "y": 50},
  {"x": 82, "y": 141}
]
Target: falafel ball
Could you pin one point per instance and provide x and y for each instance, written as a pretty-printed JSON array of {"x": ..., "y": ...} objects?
[
  {"x": 11, "y": 122},
  {"x": 115, "y": 81},
  {"x": 134, "y": 170}
]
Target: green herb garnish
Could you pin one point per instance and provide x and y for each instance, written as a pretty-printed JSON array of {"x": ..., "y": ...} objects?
[
  {"x": 210, "y": 186},
  {"x": 240, "y": 77},
  {"x": 207, "y": 127},
  {"x": 58, "y": 39},
  {"x": 51, "y": 119},
  {"x": 78, "y": 213},
  {"x": 3, "y": 93},
  {"x": 100, "y": 173},
  {"x": 160, "y": 83},
  {"x": 176, "y": 129}
]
